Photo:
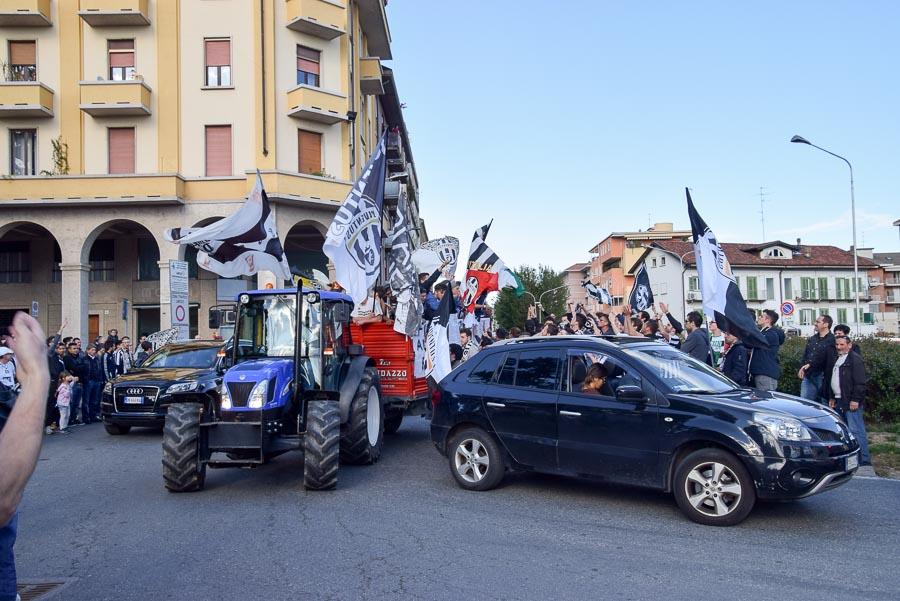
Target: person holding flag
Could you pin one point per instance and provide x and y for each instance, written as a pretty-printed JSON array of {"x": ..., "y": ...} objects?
[
  {"x": 486, "y": 272},
  {"x": 641, "y": 297},
  {"x": 722, "y": 300}
]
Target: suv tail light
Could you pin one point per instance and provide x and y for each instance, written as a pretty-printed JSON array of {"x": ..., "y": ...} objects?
[{"x": 435, "y": 397}]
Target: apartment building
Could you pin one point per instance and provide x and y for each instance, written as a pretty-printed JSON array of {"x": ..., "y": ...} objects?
[
  {"x": 617, "y": 254},
  {"x": 573, "y": 276},
  {"x": 124, "y": 117},
  {"x": 884, "y": 283},
  {"x": 815, "y": 279}
]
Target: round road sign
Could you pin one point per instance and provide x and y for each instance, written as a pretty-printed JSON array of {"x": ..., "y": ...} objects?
[
  {"x": 787, "y": 308},
  {"x": 179, "y": 313}
]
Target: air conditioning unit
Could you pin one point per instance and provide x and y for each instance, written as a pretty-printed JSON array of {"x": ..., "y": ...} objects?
[{"x": 693, "y": 296}]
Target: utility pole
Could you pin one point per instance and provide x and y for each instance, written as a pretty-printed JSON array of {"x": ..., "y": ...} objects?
[{"x": 762, "y": 211}]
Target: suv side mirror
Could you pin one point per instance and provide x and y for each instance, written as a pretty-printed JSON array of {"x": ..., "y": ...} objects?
[{"x": 630, "y": 392}]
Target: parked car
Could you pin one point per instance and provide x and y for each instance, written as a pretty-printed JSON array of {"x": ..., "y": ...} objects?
[
  {"x": 660, "y": 419},
  {"x": 187, "y": 370}
]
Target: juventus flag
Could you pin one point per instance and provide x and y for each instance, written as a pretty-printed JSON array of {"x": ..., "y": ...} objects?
[
  {"x": 353, "y": 242},
  {"x": 722, "y": 300},
  {"x": 243, "y": 243},
  {"x": 402, "y": 274},
  {"x": 483, "y": 269},
  {"x": 641, "y": 297},
  {"x": 602, "y": 295},
  {"x": 437, "y": 343}
]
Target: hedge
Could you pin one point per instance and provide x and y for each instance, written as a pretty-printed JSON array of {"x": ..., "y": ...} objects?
[{"x": 882, "y": 360}]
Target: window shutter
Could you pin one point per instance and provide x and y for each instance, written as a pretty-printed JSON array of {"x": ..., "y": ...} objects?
[
  {"x": 218, "y": 150},
  {"x": 308, "y": 60},
  {"x": 22, "y": 53},
  {"x": 218, "y": 53},
  {"x": 121, "y": 59},
  {"x": 310, "y": 151},
  {"x": 121, "y": 150}
]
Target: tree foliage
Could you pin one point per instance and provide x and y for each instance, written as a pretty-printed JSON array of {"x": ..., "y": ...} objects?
[{"x": 511, "y": 310}]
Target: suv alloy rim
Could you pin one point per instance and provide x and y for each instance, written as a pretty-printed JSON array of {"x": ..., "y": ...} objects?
[
  {"x": 471, "y": 460},
  {"x": 713, "y": 489}
]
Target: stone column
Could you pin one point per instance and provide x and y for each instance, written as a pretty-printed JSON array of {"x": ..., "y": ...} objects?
[{"x": 75, "y": 298}]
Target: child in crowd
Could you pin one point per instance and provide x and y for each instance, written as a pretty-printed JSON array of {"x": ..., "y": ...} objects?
[{"x": 63, "y": 398}]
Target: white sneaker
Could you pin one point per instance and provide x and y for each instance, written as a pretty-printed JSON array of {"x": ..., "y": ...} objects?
[{"x": 48, "y": 430}]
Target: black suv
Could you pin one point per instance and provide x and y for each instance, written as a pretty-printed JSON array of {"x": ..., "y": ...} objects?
[
  {"x": 637, "y": 412},
  {"x": 178, "y": 372}
]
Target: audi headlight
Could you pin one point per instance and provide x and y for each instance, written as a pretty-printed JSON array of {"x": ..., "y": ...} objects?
[
  {"x": 107, "y": 389},
  {"x": 782, "y": 428},
  {"x": 182, "y": 387},
  {"x": 225, "y": 397},
  {"x": 258, "y": 395}
]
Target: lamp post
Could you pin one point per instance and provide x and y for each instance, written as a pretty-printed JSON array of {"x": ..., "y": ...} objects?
[
  {"x": 683, "y": 269},
  {"x": 856, "y": 281},
  {"x": 541, "y": 297}
]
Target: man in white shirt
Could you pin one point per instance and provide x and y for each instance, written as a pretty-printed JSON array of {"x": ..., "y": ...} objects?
[{"x": 7, "y": 368}]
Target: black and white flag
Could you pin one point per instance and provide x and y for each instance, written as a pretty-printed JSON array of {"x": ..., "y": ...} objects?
[
  {"x": 722, "y": 300},
  {"x": 353, "y": 242},
  {"x": 437, "y": 343},
  {"x": 244, "y": 243},
  {"x": 402, "y": 274},
  {"x": 602, "y": 295},
  {"x": 447, "y": 249},
  {"x": 641, "y": 297}
]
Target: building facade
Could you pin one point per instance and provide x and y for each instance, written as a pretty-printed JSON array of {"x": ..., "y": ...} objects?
[
  {"x": 814, "y": 279},
  {"x": 884, "y": 281},
  {"x": 573, "y": 276},
  {"x": 124, "y": 117},
  {"x": 618, "y": 253}
]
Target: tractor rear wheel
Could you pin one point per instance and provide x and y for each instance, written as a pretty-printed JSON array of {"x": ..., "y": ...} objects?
[
  {"x": 183, "y": 470},
  {"x": 321, "y": 445},
  {"x": 362, "y": 436}
]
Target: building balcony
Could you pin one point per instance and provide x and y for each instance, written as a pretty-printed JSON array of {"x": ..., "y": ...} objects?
[
  {"x": 320, "y": 18},
  {"x": 114, "y": 13},
  {"x": 892, "y": 299},
  {"x": 315, "y": 104},
  {"x": 115, "y": 98},
  {"x": 25, "y": 100},
  {"x": 370, "y": 76},
  {"x": 892, "y": 281},
  {"x": 25, "y": 13}
]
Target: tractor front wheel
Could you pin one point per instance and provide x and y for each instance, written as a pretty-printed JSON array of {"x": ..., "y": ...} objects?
[
  {"x": 183, "y": 470},
  {"x": 362, "y": 436},
  {"x": 321, "y": 445}
]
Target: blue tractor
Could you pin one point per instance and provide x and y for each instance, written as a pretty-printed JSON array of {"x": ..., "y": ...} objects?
[{"x": 294, "y": 382}]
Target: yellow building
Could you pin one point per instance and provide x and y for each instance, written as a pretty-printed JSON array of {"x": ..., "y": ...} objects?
[{"x": 124, "y": 117}]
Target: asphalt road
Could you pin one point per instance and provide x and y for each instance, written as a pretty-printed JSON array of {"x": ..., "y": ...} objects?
[{"x": 97, "y": 516}]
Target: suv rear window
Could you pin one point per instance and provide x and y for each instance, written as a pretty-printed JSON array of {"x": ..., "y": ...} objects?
[
  {"x": 538, "y": 369},
  {"x": 486, "y": 368},
  {"x": 508, "y": 373}
]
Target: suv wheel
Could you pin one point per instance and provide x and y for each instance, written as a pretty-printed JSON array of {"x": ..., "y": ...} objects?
[
  {"x": 712, "y": 487},
  {"x": 476, "y": 460},
  {"x": 116, "y": 429}
]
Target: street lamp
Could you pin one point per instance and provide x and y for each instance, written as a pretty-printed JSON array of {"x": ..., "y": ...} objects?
[
  {"x": 541, "y": 297},
  {"x": 683, "y": 269},
  {"x": 857, "y": 286}
]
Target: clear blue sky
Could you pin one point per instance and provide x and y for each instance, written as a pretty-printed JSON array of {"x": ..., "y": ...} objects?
[{"x": 566, "y": 124}]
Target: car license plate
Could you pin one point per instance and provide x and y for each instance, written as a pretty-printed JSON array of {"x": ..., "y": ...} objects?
[
  {"x": 134, "y": 400},
  {"x": 852, "y": 462}
]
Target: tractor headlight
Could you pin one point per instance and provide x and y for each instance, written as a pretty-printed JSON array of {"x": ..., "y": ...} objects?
[
  {"x": 224, "y": 396},
  {"x": 182, "y": 387},
  {"x": 782, "y": 428},
  {"x": 258, "y": 395},
  {"x": 107, "y": 388}
]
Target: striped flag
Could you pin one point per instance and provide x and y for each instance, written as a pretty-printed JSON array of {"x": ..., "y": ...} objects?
[
  {"x": 483, "y": 269},
  {"x": 722, "y": 300}
]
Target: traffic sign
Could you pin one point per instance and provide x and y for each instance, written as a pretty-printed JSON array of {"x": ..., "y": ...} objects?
[
  {"x": 34, "y": 308},
  {"x": 787, "y": 308}
]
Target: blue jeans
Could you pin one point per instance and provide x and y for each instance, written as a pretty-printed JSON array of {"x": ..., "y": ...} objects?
[
  {"x": 90, "y": 410},
  {"x": 75, "y": 402},
  {"x": 856, "y": 424},
  {"x": 811, "y": 388},
  {"x": 8, "y": 560}
]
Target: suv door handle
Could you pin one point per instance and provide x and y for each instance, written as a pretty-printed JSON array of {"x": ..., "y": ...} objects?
[
  {"x": 570, "y": 413},
  {"x": 491, "y": 404}
]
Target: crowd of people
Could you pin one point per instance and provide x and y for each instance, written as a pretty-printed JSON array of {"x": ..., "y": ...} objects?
[{"x": 77, "y": 375}]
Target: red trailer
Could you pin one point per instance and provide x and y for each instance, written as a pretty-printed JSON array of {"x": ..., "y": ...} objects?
[{"x": 402, "y": 393}]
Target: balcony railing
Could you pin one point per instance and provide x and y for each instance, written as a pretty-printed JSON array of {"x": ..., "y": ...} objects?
[
  {"x": 114, "y": 13},
  {"x": 324, "y": 19},
  {"x": 892, "y": 281},
  {"x": 25, "y": 13},
  {"x": 370, "y": 76},
  {"x": 115, "y": 98},
  {"x": 315, "y": 104},
  {"x": 25, "y": 100}
]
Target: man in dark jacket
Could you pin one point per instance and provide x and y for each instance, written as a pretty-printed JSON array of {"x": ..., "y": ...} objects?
[
  {"x": 764, "y": 366},
  {"x": 734, "y": 361},
  {"x": 76, "y": 366},
  {"x": 846, "y": 389},
  {"x": 57, "y": 365},
  {"x": 93, "y": 386},
  {"x": 697, "y": 342},
  {"x": 817, "y": 345}
]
